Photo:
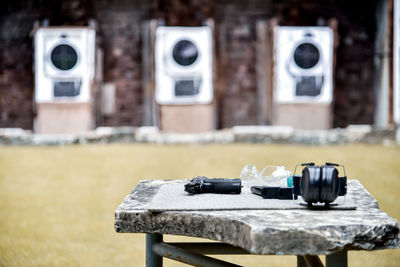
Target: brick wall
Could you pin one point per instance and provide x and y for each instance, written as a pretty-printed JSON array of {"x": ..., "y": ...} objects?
[
  {"x": 119, "y": 35},
  {"x": 16, "y": 106},
  {"x": 235, "y": 23}
]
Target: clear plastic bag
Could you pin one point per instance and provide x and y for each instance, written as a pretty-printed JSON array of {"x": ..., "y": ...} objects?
[{"x": 269, "y": 175}]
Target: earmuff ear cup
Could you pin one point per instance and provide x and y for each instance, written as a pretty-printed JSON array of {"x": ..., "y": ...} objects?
[
  {"x": 329, "y": 184},
  {"x": 310, "y": 184}
]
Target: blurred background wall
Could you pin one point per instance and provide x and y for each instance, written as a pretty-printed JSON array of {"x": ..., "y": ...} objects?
[{"x": 120, "y": 35}]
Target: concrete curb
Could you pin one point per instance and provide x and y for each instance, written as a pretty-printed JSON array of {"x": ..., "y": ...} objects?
[{"x": 237, "y": 134}]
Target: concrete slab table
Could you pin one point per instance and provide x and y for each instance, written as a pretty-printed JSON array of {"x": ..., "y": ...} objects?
[{"x": 301, "y": 232}]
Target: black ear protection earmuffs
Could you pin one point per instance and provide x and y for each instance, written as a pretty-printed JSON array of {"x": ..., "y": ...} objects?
[{"x": 320, "y": 183}]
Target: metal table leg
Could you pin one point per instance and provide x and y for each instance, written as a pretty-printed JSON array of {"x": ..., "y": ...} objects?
[
  {"x": 338, "y": 259},
  {"x": 188, "y": 257},
  {"x": 301, "y": 262},
  {"x": 152, "y": 259},
  {"x": 313, "y": 261},
  {"x": 309, "y": 261},
  {"x": 155, "y": 247}
]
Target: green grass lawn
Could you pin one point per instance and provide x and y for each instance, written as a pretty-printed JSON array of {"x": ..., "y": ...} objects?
[{"x": 57, "y": 203}]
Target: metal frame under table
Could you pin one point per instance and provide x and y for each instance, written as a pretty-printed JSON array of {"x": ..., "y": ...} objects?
[{"x": 303, "y": 232}]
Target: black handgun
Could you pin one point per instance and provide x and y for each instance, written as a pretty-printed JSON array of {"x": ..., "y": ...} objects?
[{"x": 202, "y": 184}]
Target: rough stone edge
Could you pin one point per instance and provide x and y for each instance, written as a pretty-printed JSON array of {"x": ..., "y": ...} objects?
[{"x": 386, "y": 236}]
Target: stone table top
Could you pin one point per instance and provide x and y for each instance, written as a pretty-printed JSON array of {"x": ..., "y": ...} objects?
[{"x": 278, "y": 232}]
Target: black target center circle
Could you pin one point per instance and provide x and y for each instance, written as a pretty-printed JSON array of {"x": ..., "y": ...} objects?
[
  {"x": 306, "y": 55},
  {"x": 64, "y": 57},
  {"x": 185, "y": 53}
]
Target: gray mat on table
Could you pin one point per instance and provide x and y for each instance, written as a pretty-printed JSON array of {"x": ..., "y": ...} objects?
[{"x": 172, "y": 197}]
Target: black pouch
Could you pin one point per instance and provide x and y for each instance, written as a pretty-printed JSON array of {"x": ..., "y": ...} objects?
[{"x": 270, "y": 192}]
